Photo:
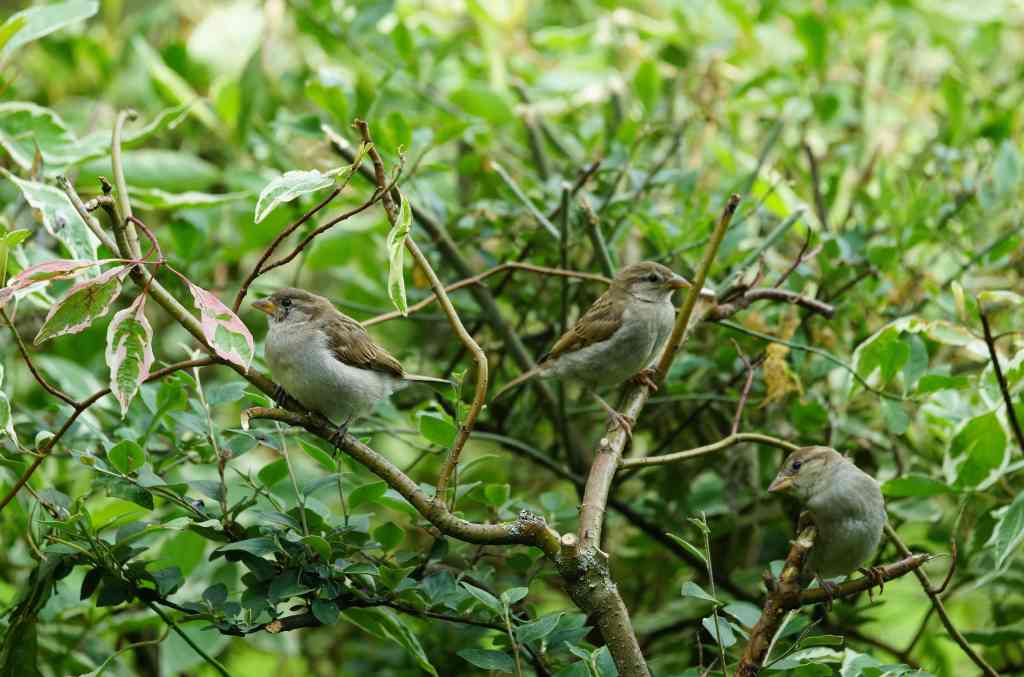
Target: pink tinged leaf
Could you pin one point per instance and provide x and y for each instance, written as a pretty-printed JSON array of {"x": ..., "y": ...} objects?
[
  {"x": 129, "y": 351},
  {"x": 43, "y": 273},
  {"x": 226, "y": 334},
  {"x": 85, "y": 302}
]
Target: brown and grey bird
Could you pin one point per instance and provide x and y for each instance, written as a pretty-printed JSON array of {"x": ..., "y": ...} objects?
[
  {"x": 845, "y": 504},
  {"x": 326, "y": 360},
  {"x": 618, "y": 338}
]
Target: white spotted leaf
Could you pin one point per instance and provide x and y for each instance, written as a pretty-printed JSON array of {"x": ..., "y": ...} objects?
[
  {"x": 85, "y": 302},
  {"x": 129, "y": 351},
  {"x": 224, "y": 331}
]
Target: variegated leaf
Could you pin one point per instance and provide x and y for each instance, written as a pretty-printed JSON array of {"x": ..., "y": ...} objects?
[
  {"x": 396, "y": 256},
  {"x": 44, "y": 273},
  {"x": 85, "y": 302},
  {"x": 129, "y": 351},
  {"x": 6, "y": 419},
  {"x": 226, "y": 334},
  {"x": 58, "y": 216}
]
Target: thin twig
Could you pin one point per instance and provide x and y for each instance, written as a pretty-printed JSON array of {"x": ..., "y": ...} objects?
[
  {"x": 745, "y": 393},
  {"x": 724, "y": 443},
  {"x": 477, "y": 279},
  {"x": 123, "y": 204},
  {"x": 1011, "y": 412},
  {"x": 257, "y": 270},
  {"x": 480, "y": 395},
  {"x": 940, "y": 608},
  {"x": 819, "y": 199},
  {"x": 527, "y": 202},
  {"x": 53, "y": 390},
  {"x": 188, "y": 640},
  {"x": 79, "y": 409},
  {"x": 597, "y": 240}
]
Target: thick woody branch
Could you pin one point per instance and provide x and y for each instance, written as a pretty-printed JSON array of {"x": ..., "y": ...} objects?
[
  {"x": 724, "y": 443},
  {"x": 528, "y": 529},
  {"x": 788, "y": 594},
  {"x": 775, "y": 609},
  {"x": 122, "y": 203},
  {"x": 478, "y": 279}
]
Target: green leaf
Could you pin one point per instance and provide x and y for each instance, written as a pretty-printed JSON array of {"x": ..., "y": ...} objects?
[
  {"x": 226, "y": 334},
  {"x": 724, "y": 636},
  {"x": 174, "y": 85},
  {"x": 437, "y": 428},
  {"x": 83, "y": 303},
  {"x": 488, "y": 659},
  {"x": 272, "y": 473},
  {"x": 58, "y": 216},
  {"x": 396, "y": 256},
  {"x": 129, "y": 351},
  {"x": 254, "y": 546},
  {"x": 537, "y": 630},
  {"x": 1009, "y": 531},
  {"x": 326, "y": 611},
  {"x": 915, "y": 485},
  {"x": 895, "y": 416},
  {"x": 982, "y": 445},
  {"x": 647, "y": 85},
  {"x": 691, "y": 589},
  {"x": 484, "y": 103},
  {"x": 389, "y": 535},
  {"x": 813, "y": 33},
  {"x": 513, "y": 595},
  {"x": 497, "y": 494},
  {"x": 484, "y": 597},
  {"x": 323, "y": 458},
  {"x": 319, "y": 545},
  {"x": 127, "y": 457},
  {"x": 7, "y": 419},
  {"x": 289, "y": 186},
  {"x": 385, "y": 624},
  {"x": 37, "y": 22},
  {"x": 693, "y": 550},
  {"x": 367, "y": 493},
  {"x": 155, "y": 198},
  {"x": 216, "y": 595},
  {"x": 746, "y": 613},
  {"x": 931, "y": 383}
]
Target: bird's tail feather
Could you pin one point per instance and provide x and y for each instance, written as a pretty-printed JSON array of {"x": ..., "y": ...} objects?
[
  {"x": 419, "y": 378},
  {"x": 516, "y": 382}
]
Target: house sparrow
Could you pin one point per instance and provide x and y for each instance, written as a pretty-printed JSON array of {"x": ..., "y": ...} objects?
[
  {"x": 618, "y": 338},
  {"x": 325, "y": 360},
  {"x": 845, "y": 504}
]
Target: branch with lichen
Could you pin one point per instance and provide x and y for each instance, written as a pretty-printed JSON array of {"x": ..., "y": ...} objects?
[{"x": 788, "y": 594}]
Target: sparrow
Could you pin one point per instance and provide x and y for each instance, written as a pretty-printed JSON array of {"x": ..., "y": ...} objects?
[
  {"x": 618, "y": 338},
  {"x": 846, "y": 506},
  {"x": 326, "y": 360}
]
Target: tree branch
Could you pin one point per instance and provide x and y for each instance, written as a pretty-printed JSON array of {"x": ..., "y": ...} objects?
[
  {"x": 477, "y": 279},
  {"x": 724, "y": 443},
  {"x": 527, "y": 529},
  {"x": 53, "y": 390},
  {"x": 1011, "y": 413},
  {"x": 940, "y": 608}
]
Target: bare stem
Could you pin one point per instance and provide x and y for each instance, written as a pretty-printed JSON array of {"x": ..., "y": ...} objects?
[
  {"x": 53, "y": 390},
  {"x": 940, "y": 608},
  {"x": 724, "y": 443},
  {"x": 1011, "y": 413},
  {"x": 477, "y": 279}
]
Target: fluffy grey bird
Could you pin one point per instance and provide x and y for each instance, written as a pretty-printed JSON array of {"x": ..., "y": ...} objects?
[
  {"x": 618, "y": 338},
  {"x": 325, "y": 360},
  {"x": 845, "y": 504}
]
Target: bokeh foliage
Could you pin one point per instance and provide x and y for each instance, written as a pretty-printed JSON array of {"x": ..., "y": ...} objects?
[{"x": 885, "y": 133}]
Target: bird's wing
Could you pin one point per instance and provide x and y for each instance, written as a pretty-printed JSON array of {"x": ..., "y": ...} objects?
[
  {"x": 349, "y": 342},
  {"x": 597, "y": 324}
]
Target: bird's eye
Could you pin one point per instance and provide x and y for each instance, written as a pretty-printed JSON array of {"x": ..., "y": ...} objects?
[
  {"x": 797, "y": 464},
  {"x": 653, "y": 277},
  {"x": 286, "y": 303}
]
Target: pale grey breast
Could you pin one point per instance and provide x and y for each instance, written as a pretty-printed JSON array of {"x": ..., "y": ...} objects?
[
  {"x": 300, "y": 360},
  {"x": 854, "y": 513},
  {"x": 633, "y": 346}
]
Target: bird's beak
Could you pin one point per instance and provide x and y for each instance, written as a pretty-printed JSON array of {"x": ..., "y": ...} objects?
[
  {"x": 678, "y": 282},
  {"x": 780, "y": 484},
  {"x": 265, "y": 305}
]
